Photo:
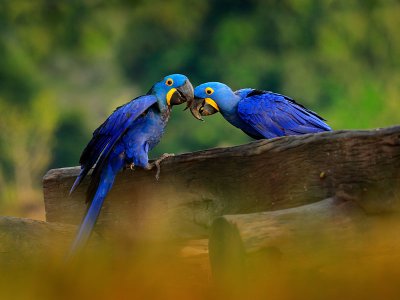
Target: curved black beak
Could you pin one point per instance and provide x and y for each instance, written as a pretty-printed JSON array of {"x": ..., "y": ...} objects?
[
  {"x": 199, "y": 108},
  {"x": 182, "y": 94}
]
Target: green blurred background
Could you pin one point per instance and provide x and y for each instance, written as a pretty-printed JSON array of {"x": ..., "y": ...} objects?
[{"x": 64, "y": 67}]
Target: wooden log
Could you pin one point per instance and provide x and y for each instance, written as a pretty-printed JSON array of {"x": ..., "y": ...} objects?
[
  {"x": 23, "y": 240},
  {"x": 264, "y": 175},
  {"x": 314, "y": 237}
]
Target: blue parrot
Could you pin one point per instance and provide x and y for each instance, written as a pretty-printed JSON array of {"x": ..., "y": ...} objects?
[
  {"x": 259, "y": 114},
  {"x": 125, "y": 139}
]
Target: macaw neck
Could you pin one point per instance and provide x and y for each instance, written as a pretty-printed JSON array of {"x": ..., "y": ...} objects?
[
  {"x": 161, "y": 98},
  {"x": 230, "y": 113},
  {"x": 162, "y": 114},
  {"x": 228, "y": 107},
  {"x": 163, "y": 106}
]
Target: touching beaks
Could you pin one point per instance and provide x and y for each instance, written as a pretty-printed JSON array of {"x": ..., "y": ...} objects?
[
  {"x": 196, "y": 106},
  {"x": 182, "y": 94},
  {"x": 200, "y": 107}
]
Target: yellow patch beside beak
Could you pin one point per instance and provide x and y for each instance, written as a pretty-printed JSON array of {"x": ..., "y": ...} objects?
[
  {"x": 169, "y": 95},
  {"x": 212, "y": 103}
]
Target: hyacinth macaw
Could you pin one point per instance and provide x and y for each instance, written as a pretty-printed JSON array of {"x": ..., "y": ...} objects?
[
  {"x": 125, "y": 139},
  {"x": 259, "y": 114}
]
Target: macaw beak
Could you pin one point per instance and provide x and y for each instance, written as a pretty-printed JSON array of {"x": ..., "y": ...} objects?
[
  {"x": 201, "y": 107},
  {"x": 182, "y": 94}
]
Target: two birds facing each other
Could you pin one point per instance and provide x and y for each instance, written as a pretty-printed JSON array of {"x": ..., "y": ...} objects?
[{"x": 133, "y": 129}]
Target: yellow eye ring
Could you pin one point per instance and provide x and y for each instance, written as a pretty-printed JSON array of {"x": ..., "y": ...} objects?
[
  {"x": 209, "y": 91},
  {"x": 169, "y": 82}
]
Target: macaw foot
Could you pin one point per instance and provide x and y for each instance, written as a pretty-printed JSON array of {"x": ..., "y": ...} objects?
[
  {"x": 157, "y": 163},
  {"x": 130, "y": 166}
]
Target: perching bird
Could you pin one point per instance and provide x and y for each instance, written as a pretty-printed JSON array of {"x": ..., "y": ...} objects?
[
  {"x": 260, "y": 114},
  {"x": 125, "y": 138}
]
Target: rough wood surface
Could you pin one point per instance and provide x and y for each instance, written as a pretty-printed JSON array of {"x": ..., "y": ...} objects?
[
  {"x": 316, "y": 235},
  {"x": 22, "y": 240},
  {"x": 264, "y": 175},
  {"x": 25, "y": 241}
]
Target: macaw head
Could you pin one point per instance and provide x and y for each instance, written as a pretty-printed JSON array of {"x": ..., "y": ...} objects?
[
  {"x": 172, "y": 90},
  {"x": 212, "y": 97}
]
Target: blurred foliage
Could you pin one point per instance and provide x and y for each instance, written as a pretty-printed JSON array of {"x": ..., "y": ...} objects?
[
  {"x": 65, "y": 66},
  {"x": 160, "y": 271}
]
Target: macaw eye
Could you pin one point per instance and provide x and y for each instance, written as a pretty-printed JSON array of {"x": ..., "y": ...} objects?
[
  {"x": 209, "y": 91},
  {"x": 169, "y": 82}
]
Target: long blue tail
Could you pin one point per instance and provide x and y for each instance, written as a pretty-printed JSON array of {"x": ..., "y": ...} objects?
[{"x": 86, "y": 228}]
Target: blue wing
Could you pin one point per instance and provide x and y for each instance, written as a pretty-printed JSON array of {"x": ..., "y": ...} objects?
[
  {"x": 274, "y": 115},
  {"x": 105, "y": 137}
]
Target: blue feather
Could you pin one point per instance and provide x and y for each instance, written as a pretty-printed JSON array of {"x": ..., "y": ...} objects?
[
  {"x": 105, "y": 137},
  {"x": 93, "y": 212},
  {"x": 107, "y": 150},
  {"x": 125, "y": 137},
  {"x": 260, "y": 114},
  {"x": 274, "y": 115}
]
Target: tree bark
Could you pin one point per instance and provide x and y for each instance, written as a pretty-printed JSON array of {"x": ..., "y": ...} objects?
[
  {"x": 313, "y": 236},
  {"x": 265, "y": 175}
]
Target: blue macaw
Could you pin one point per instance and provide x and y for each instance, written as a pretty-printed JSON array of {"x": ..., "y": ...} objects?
[
  {"x": 259, "y": 114},
  {"x": 125, "y": 139}
]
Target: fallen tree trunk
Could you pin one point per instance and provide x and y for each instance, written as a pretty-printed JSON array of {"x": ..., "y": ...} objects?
[
  {"x": 314, "y": 236},
  {"x": 23, "y": 240},
  {"x": 265, "y": 175}
]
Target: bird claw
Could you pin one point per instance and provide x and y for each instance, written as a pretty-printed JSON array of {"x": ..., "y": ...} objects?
[
  {"x": 157, "y": 163},
  {"x": 130, "y": 166}
]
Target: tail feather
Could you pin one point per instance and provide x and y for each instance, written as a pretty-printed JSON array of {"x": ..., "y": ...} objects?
[
  {"x": 93, "y": 212},
  {"x": 79, "y": 179}
]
